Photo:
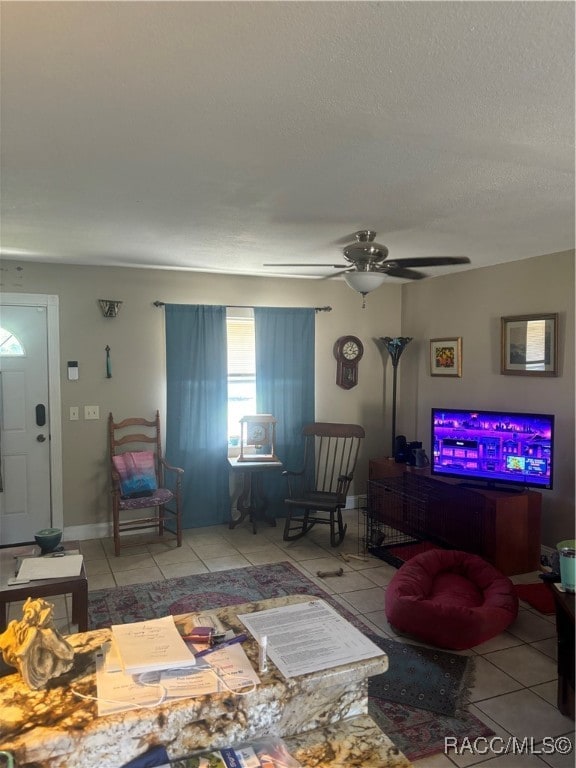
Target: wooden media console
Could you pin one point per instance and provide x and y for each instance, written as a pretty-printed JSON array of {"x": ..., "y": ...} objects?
[{"x": 501, "y": 527}]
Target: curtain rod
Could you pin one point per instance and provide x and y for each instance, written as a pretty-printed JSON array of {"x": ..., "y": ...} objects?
[{"x": 248, "y": 306}]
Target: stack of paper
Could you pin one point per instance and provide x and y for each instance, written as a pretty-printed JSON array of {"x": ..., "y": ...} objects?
[
  {"x": 119, "y": 691},
  {"x": 150, "y": 646},
  {"x": 50, "y": 567},
  {"x": 309, "y": 637}
]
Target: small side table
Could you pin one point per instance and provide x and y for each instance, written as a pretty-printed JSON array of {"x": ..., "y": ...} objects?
[
  {"x": 565, "y": 630},
  {"x": 77, "y": 586},
  {"x": 252, "y": 500}
]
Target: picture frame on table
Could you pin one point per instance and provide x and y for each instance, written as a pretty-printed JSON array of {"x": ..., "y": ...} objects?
[
  {"x": 446, "y": 356},
  {"x": 529, "y": 345}
]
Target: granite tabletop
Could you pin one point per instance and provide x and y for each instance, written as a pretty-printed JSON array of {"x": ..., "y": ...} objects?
[{"x": 56, "y": 728}]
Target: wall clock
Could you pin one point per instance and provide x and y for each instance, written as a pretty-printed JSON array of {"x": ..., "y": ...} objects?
[{"x": 348, "y": 351}]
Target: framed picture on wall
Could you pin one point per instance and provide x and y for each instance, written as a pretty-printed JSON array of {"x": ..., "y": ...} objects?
[
  {"x": 529, "y": 345},
  {"x": 446, "y": 357}
]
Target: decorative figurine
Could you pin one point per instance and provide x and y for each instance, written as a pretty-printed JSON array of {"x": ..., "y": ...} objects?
[{"x": 34, "y": 646}]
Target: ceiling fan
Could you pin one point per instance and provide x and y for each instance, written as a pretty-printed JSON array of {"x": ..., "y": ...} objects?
[{"x": 367, "y": 269}]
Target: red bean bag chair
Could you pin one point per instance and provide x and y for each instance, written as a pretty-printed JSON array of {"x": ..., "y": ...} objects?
[{"x": 450, "y": 599}]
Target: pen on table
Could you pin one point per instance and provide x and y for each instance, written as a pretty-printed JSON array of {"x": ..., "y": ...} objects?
[
  {"x": 216, "y": 638},
  {"x": 233, "y": 641}
]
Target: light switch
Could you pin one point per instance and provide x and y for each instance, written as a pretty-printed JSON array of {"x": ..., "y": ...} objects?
[
  {"x": 91, "y": 412},
  {"x": 74, "y": 413},
  {"x": 72, "y": 370}
]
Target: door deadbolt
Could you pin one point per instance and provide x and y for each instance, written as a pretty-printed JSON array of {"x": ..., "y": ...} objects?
[
  {"x": 41, "y": 438},
  {"x": 40, "y": 415}
]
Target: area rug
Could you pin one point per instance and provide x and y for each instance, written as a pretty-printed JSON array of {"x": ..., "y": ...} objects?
[
  {"x": 418, "y": 733},
  {"x": 537, "y": 595},
  {"x": 420, "y": 698}
]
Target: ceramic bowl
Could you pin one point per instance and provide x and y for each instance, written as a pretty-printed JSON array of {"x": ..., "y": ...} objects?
[{"x": 48, "y": 539}]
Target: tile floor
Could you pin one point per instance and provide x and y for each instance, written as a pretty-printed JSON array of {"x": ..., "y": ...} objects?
[{"x": 515, "y": 688}]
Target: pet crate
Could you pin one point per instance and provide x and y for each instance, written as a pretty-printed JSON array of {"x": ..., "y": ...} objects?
[{"x": 409, "y": 513}]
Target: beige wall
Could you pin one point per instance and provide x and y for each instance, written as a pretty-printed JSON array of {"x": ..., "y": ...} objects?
[
  {"x": 470, "y": 305},
  {"x": 136, "y": 339}
]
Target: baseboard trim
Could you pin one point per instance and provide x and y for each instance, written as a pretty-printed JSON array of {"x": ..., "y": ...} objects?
[
  {"x": 104, "y": 530},
  {"x": 355, "y": 502},
  {"x": 90, "y": 531}
]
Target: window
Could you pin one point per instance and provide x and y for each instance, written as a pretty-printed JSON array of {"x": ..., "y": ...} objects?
[
  {"x": 241, "y": 369},
  {"x": 9, "y": 345}
]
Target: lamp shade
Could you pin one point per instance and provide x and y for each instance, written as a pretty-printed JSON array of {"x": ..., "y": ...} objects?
[{"x": 364, "y": 282}]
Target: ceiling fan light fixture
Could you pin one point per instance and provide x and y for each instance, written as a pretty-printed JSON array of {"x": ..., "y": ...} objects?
[{"x": 364, "y": 282}]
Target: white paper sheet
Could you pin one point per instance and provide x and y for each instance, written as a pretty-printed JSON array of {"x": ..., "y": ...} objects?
[
  {"x": 309, "y": 637},
  {"x": 231, "y": 664},
  {"x": 118, "y": 691},
  {"x": 50, "y": 567},
  {"x": 148, "y": 646}
]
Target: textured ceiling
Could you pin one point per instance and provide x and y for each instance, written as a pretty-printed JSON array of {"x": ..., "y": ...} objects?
[{"x": 222, "y": 135}]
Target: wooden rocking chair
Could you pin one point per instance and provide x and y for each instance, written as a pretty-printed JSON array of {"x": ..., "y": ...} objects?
[{"x": 317, "y": 493}]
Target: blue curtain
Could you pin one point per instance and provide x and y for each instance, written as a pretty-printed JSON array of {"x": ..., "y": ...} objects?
[
  {"x": 197, "y": 402},
  {"x": 285, "y": 386}
]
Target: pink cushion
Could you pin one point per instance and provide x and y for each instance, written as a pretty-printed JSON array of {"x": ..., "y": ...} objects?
[
  {"x": 137, "y": 473},
  {"x": 450, "y": 599}
]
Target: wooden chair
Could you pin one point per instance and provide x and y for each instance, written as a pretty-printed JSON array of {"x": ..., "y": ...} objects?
[
  {"x": 137, "y": 442},
  {"x": 317, "y": 493}
]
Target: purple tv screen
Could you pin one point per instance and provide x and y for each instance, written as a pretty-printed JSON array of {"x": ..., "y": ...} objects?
[{"x": 493, "y": 446}]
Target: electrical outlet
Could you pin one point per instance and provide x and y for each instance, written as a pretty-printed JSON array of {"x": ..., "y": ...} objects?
[
  {"x": 74, "y": 413},
  {"x": 91, "y": 412}
]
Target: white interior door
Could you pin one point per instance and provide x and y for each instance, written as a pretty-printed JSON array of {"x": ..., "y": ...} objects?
[{"x": 25, "y": 424}]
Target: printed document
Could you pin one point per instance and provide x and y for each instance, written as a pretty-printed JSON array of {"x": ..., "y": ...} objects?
[
  {"x": 118, "y": 691},
  {"x": 148, "y": 646},
  {"x": 308, "y": 637}
]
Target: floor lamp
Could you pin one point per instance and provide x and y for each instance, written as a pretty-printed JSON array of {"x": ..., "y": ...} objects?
[{"x": 395, "y": 347}]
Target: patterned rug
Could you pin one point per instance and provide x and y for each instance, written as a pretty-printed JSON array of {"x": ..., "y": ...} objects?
[{"x": 417, "y": 702}]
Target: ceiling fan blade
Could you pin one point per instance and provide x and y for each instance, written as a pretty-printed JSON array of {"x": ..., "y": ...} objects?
[
  {"x": 395, "y": 270},
  {"x": 345, "y": 239},
  {"x": 336, "y": 266},
  {"x": 430, "y": 261}
]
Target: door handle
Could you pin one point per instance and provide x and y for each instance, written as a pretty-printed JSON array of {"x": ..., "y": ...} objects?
[
  {"x": 40, "y": 415},
  {"x": 41, "y": 438}
]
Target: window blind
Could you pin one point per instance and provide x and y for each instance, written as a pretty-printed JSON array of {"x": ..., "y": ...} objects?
[{"x": 241, "y": 346}]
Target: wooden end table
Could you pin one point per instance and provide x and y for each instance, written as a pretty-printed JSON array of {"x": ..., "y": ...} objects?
[
  {"x": 77, "y": 586},
  {"x": 252, "y": 500},
  {"x": 565, "y": 630}
]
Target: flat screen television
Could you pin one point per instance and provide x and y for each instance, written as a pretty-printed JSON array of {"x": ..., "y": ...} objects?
[{"x": 493, "y": 448}]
